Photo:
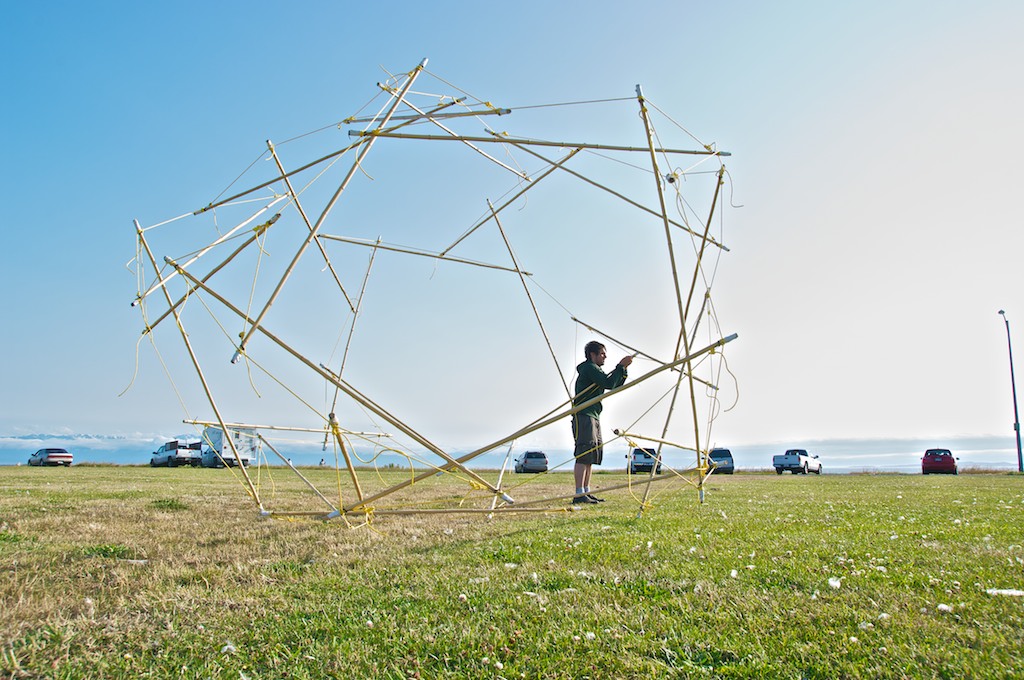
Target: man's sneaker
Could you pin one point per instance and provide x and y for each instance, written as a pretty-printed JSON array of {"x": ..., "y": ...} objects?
[
  {"x": 583, "y": 499},
  {"x": 595, "y": 498}
]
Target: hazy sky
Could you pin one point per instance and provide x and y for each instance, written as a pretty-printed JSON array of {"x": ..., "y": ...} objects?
[{"x": 876, "y": 149}]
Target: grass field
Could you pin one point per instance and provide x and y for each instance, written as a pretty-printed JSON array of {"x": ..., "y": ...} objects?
[{"x": 122, "y": 572}]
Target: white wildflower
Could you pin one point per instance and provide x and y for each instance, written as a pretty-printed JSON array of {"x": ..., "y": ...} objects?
[
  {"x": 854, "y": 640},
  {"x": 884, "y": 617},
  {"x": 499, "y": 665},
  {"x": 865, "y": 625},
  {"x": 511, "y": 565},
  {"x": 835, "y": 583},
  {"x": 589, "y": 635},
  {"x": 369, "y": 624},
  {"x": 462, "y": 597},
  {"x": 228, "y": 649},
  {"x": 944, "y": 608},
  {"x": 733, "y": 573}
]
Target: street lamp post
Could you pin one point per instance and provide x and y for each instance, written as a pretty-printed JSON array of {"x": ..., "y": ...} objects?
[{"x": 1013, "y": 386}]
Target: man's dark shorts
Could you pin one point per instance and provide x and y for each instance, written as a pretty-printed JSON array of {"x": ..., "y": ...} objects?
[{"x": 586, "y": 430}]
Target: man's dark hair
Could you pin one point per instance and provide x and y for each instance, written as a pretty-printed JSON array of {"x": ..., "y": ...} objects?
[{"x": 592, "y": 346}]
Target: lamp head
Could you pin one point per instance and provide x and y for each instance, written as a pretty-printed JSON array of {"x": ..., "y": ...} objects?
[{"x": 1002, "y": 312}]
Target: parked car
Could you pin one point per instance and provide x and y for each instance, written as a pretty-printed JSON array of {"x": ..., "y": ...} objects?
[
  {"x": 796, "y": 461},
  {"x": 175, "y": 453},
  {"x": 51, "y": 457},
  {"x": 642, "y": 460},
  {"x": 532, "y": 461},
  {"x": 723, "y": 461},
  {"x": 938, "y": 461}
]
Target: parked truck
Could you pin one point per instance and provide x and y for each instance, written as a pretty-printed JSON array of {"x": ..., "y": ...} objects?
[
  {"x": 796, "y": 461},
  {"x": 217, "y": 452},
  {"x": 176, "y": 454}
]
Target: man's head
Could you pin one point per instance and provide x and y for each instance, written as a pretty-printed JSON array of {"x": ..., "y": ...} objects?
[{"x": 595, "y": 352}]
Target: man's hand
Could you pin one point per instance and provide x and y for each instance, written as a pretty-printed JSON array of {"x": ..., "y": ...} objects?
[{"x": 626, "y": 361}]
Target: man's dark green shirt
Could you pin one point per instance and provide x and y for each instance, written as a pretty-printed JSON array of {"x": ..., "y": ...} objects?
[{"x": 592, "y": 382}]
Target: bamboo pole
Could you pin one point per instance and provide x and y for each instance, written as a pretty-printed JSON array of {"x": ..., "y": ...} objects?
[
  {"x": 451, "y": 132},
  {"x": 682, "y": 340},
  {"x": 162, "y": 281},
  {"x": 630, "y": 348},
  {"x": 526, "y": 289},
  {"x": 412, "y": 251},
  {"x": 307, "y": 166},
  {"x": 554, "y": 166},
  {"x": 366, "y": 402},
  {"x": 629, "y": 435},
  {"x": 352, "y": 329},
  {"x": 296, "y": 471},
  {"x": 285, "y": 428},
  {"x": 344, "y": 453},
  {"x": 199, "y": 371},
  {"x": 302, "y": 213},
  {"x": 531, "y": 142},
  {"x": 508, "y": 509},
  {"x": 323, "y": 216},
  {"x": 457, "y": 114},
  {"x": 501, "y": 475},
  {"x": 615, "y": 193},
  {"x": 239, "y": 249}
]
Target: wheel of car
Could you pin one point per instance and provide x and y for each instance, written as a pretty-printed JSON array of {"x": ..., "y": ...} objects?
[
  {"x": 172, "y": 463},
  {"x": 805, "y": 469},
  {"x": 778, "y": 471},
  {"x": 819, "y": 469}
]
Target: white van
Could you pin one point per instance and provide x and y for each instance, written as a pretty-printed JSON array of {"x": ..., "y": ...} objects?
[{"x": 218, "y": 452}]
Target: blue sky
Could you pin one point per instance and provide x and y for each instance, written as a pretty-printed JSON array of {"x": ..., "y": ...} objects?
[{"x": 876, "y": 155}]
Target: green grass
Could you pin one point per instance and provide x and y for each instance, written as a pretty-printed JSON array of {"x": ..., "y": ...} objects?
[{"x": 138, "y": 572}]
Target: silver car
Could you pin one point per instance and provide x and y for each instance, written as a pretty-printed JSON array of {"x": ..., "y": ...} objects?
[
  {"x": 51, "y": 457},
  {"x": 532, "y": 461}
]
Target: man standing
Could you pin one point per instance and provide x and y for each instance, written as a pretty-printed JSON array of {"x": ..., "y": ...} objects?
[{"x": 586, "y": 425}]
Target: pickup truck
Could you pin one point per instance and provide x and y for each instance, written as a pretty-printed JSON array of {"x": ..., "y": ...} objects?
[{"x": 796, "y": 460}]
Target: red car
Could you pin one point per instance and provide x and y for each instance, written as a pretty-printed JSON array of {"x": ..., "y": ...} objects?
[{"x": 938, "y": 461}]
